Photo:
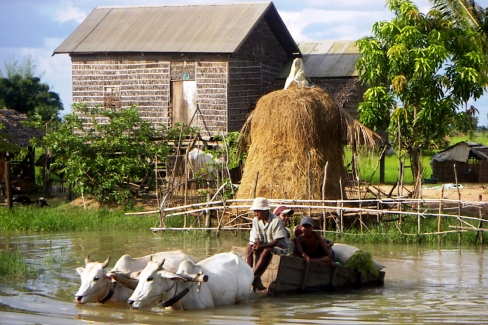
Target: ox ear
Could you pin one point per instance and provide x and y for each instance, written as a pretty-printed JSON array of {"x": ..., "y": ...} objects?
[
  {"x": 80, "y": 270},
  {"x": 105, "y": 264},
  {"x": 135, "y": 275}
]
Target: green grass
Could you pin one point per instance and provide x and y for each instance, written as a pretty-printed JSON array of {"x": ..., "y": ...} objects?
[
  {"x": 14, "y": 266},
  {"x": 391, "y": 232},
  {"x": 368, "y": 162},
  {"x": 69, "y": 218},
  {"x": 478, "y": 137}
]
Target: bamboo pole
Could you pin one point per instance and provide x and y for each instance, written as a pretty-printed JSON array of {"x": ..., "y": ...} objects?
[
  {"x": 157, "y": 178},
  {"x": 309, "y": 181},
  {"x": 459, "y": 205},
  {"x": 324, "y": 182},
  {"x": 439, "y": 218},
  {"x": 480, "y": 224},
  {"x": 8, "y": 185},
  {"x": 341, "y": 228},
  {"x": 360, "y": 205},
  {"x": 255, "y": 185}
]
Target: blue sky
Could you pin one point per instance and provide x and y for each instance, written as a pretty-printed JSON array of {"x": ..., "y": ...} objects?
[{"x": 37, "y": 27}]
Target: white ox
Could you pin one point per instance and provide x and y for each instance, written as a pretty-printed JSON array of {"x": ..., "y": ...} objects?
[
  {"x": 97, "y": 285},
  {"x": 229, "y": 282},
  {"x": 200, "y": 161}
]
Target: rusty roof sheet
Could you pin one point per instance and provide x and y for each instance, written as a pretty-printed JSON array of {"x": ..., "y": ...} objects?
[
  {"x": 218, "y": 28},
  {"x": 14, "y": 129},
  {"x": 327, "y": 59}
]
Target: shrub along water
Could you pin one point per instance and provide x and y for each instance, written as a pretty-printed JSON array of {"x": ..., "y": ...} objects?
[{"x": 14, "y": 266}]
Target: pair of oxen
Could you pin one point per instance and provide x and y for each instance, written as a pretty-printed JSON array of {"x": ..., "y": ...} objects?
[{"x": 168, "y": 279}]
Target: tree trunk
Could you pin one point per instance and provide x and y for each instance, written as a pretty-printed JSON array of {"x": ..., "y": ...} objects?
[{"x": 416, "y": 166}]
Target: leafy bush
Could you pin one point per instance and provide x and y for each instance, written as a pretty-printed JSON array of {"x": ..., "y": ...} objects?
[{"x": 103, "y": 160}]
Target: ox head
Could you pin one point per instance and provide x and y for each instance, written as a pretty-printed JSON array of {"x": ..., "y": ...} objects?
[
  {"x": 95, "y": 284},
  {"x": 154, "y": 282}
]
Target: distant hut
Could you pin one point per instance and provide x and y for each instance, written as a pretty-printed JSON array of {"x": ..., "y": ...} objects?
[
  {"x": 470, "y": 159},
  {"x": 15, "y": 135}
]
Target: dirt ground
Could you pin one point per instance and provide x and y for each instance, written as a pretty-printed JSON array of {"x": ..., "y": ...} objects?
[{"x": 468, "y": 192}]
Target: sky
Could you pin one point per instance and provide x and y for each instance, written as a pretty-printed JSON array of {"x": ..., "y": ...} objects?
[{"x": 37, "y": 27}]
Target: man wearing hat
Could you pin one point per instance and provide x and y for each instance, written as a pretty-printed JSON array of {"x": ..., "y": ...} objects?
[{"x": 267, "y": 233}]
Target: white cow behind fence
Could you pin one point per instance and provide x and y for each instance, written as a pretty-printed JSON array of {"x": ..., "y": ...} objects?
[
  {"x": 229, "y": 282},
  {"x": 98, "y": 285},
  {"x": 199, "y": 161}
]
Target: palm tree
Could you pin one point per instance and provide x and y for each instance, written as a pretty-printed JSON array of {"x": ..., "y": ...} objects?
[{"x": 466, "y": 14}]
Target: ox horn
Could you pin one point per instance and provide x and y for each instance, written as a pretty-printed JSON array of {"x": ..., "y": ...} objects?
[
  {"x": 105, "y": 264},
  {"x": 160, "y": 265},
  {"x": 87, "y": 259}
]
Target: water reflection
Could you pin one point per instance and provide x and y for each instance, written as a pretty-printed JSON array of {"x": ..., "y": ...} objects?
[{"x": 423, "y": 284}]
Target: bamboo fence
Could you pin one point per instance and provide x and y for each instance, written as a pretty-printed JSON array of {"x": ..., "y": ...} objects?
[{"x": 234, "y": 215}]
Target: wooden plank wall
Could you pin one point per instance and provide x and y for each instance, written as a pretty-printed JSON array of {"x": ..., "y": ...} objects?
[
  {"x": 252, "y": 69},
  {"x": 143, "y": 82},
  {"x": 211, "y": 79}
]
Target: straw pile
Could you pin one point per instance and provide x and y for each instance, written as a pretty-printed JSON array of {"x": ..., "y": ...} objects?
[{"x": 291, "y": 135}]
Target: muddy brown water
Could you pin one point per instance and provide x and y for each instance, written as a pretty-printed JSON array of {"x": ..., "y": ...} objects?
[{"x": 423, "y": 285}]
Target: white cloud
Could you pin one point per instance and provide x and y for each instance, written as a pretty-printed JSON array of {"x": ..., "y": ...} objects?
[
  {"x": 336, "y": 23},
  {"x": 71, "y": 13}
]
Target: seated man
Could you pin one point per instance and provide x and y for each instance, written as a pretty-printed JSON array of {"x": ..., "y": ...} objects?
[
  {"x": 311, "y": 246},
  {"x": 267, "y": 233}
]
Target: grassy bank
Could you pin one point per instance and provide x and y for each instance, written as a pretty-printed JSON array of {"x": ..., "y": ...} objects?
[
  {"x": 368, "y": 162},
  {"x": 65, "y": 217},
  {"x": 391, "y": 232}
]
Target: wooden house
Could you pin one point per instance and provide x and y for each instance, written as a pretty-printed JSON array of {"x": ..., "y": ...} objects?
[{"x": 201, "y": 65}]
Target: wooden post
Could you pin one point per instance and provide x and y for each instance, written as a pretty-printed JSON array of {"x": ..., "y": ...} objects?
[
  {"x": 272, "y": 185},
  {"x": 480, "y": 224},
  {"x": 360, "y": 205},
  {"x": 8, "y": 184},
  {"x": 459, "y": 205},
  {"x": 208, "y": 217},
  {"x": 255, "y": 185},
  {"x": 156, "y": 178},
  {"x": 439, "y": 218},
  {"x": 309, "y": 182},
  {"x": 324, "y": 182},
  {"x": 340, "y": 211}
]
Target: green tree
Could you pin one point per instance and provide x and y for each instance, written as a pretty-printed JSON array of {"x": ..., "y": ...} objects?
[
  {"x": 466, "y": 14},
  {"x": 102, "y": 160},
  {"x": 420, "y": 69},
  {"x": 23, "y": 91}
]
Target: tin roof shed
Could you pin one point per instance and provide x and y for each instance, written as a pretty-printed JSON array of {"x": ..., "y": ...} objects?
[
  {"x": 327, "y": 59},
  {"x": 217, "y": 28}
]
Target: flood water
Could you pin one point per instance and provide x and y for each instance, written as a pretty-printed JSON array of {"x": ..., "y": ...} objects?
[{"x": 423, "y": 285}]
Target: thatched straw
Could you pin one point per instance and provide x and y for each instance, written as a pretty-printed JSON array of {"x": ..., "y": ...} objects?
[{"x": 292, "y": 135}]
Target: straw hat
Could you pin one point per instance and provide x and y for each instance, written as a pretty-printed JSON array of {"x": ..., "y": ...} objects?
[{"x": 260, "y": 204}]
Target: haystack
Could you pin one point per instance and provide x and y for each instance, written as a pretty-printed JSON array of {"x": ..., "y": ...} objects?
[{"x": 293, "y": 133}]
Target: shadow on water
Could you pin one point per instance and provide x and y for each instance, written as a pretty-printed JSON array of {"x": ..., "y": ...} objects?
[{"x": 423, "y": 284}]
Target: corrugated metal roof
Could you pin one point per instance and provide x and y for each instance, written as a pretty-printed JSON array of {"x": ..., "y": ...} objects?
[
  {"x": 219, "y": 28},
  {"x": 327, "y": 59}
]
